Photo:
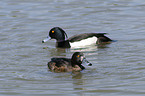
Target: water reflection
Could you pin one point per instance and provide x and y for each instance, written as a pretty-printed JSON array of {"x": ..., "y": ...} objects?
[
  {"x": 61, "y": 51},
  {"x": 77, "y": 81},
  {"x": 90, "y": 48},
  {"x": 57, "y": 51},
  {"x": 64, "y": 52}
]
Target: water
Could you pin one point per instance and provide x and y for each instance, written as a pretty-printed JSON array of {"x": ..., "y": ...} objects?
[{"x": 118, "y": 68}]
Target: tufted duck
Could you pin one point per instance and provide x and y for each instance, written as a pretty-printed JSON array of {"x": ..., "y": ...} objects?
[
  {"x": 80, "y": 40},
  {"x": 68, "y": 65}
]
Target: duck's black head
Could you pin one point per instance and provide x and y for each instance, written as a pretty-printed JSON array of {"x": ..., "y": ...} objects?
[
  {"x": 56, "y": 33},
  {"x": 78, "y": 58}
]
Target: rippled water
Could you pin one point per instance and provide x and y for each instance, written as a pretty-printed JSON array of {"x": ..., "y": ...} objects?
[{"x": 118, "y": 68}]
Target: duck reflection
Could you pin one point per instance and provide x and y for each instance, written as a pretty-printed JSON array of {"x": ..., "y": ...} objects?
[
  {"x": 57, "y": 51},
  {"x": 91, "y": 48},
  {"x": 77, "y": 81}
]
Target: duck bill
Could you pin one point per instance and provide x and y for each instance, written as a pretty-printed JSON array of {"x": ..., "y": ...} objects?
[
  {"x": 45, "y": 40},
  {"x": 87, "y": 62}
]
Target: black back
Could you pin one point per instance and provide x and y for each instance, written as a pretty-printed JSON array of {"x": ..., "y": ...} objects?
[
  {"x": 87, "y": 35},
  {"x": 61, "y": 61}
]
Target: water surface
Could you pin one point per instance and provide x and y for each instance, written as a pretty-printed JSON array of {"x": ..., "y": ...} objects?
[{"x": 118, "y": 68}]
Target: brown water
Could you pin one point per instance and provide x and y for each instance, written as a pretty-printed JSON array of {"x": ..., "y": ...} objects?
[{"x": 118, "y": 68}]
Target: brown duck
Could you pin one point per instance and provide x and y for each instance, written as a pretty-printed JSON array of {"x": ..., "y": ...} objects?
[{"x": 67, "y": 64}]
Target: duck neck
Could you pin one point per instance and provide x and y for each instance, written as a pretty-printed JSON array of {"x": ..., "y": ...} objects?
[
  {"x": 64, "y": 44},
  {"x": 60, "y": 40},
  {"x": 82, "y": 67},
  {"x": 75, "y": 63}
]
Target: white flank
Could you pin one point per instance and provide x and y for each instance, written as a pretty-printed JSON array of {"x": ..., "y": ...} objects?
[{"x": 85, "y": 42}]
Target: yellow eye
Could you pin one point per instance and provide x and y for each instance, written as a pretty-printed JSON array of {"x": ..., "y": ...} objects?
[
  {"x": 52, "y": 31},
  {"x": 78, "y": 56}
]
